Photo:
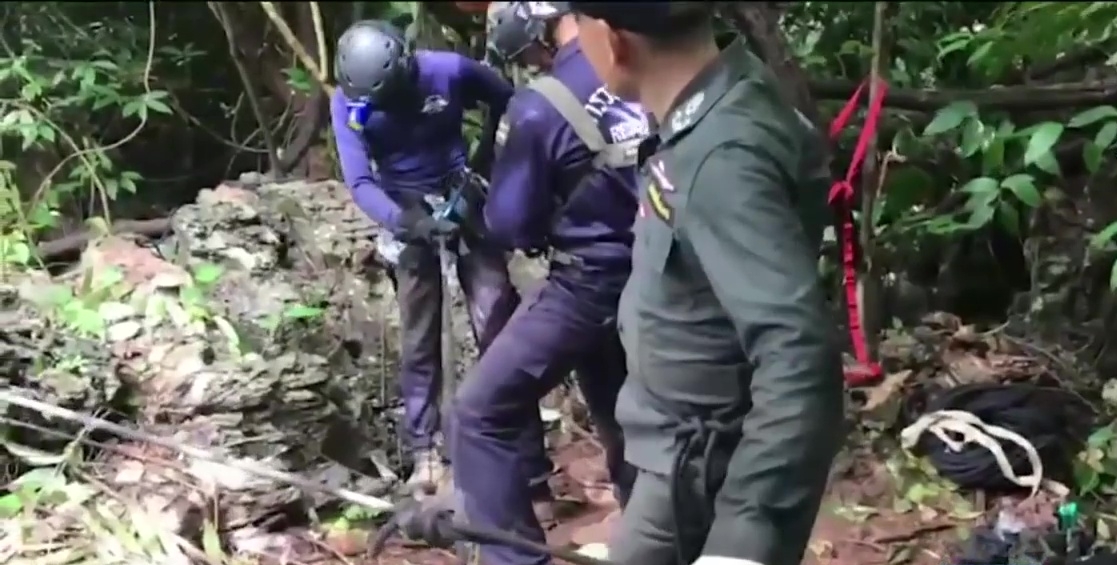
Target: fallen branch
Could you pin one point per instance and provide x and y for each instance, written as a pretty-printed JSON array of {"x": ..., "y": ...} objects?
[
  {"x": 915, "y": 533},
  {"x": 1089, "y": 55},
  {"x": 75, "y": 242},
  {"x": 1020, "y": 98}
]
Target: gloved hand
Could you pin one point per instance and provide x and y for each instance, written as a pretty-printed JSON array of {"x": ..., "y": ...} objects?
[
  {"x": 428, "y": 520},
  {"x": 416, "y": 225}
]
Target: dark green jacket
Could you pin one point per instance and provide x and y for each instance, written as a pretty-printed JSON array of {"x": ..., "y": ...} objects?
[{"x": 725, "y": 306}]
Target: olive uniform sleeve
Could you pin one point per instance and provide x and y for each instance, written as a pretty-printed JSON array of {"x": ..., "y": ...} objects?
[{"x": 750, "y": 242}]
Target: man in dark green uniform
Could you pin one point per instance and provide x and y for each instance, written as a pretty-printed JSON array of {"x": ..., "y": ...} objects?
[{"x": 733, "y": 406}]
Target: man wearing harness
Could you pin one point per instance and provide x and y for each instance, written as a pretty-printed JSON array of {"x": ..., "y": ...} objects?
[
  {"x": 563, "y": 182},
  {"x": 403, "y": 110},
  {"x": 732, "y": 411}
]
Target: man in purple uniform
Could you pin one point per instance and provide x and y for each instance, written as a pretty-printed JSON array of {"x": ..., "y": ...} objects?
[
  {"x": 402, "y": 110},
  {"x": 563, "y": 184}
]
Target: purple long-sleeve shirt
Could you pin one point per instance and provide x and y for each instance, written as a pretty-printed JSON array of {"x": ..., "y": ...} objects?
[
  {"x": 414, "y": 152},
  {"x": 541, "y": 160}
]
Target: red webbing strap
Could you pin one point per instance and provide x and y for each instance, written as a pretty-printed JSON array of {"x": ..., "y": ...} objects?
[{"x": 841, "y": 197}]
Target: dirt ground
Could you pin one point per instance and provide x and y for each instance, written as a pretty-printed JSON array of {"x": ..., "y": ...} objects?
[
  {"x": 857, "y": 525},
  {"x": 584, "y": 509}
]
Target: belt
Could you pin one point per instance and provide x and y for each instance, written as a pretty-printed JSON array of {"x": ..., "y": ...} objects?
[
  {"x": 568, "y": 259},
  {"x": 443, "y": 185}
]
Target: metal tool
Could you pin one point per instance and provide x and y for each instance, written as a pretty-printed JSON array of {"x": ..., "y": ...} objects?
[
  {"x": 448, "y": 210},
  {"x": 449, "y": 347}
]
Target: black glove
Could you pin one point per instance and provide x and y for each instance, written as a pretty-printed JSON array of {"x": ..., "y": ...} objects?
[
  {"x": 418, "y": 226},
  {"x": 429, "y": 521}
]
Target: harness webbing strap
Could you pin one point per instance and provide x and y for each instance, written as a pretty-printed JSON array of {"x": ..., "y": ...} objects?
[
  {"x": 606, "y": 155},
  {"x": 841, "y": 197}
]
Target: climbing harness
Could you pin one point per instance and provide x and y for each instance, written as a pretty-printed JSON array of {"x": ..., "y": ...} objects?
[
  {"x": 606, "y": 155},
  {"x": 841, "y": 198}
]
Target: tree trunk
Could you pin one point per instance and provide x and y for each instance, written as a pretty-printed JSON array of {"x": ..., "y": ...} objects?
[{"x": 760, "y": 23}]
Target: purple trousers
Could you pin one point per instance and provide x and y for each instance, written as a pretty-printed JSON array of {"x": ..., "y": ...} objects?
[
  {"x": 565, "y": 324},
  {"x": 483, "y": 273}
]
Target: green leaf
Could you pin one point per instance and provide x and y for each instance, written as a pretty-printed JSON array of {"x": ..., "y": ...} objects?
[
  {"x": 952, "y": 47},
  {"x": 1092, "y": 156},
  {"x": 207, "y": 273},
  {"x": 302, "y": 312},
  {"x": 993, "y": 159},
  {"x": 110, "y": 187},
  {"x": 951, "y": 117},
  {"x": 1048, "y": 164},
  {"x": 1023, "y": 187},
  {"x": 46, "y": 132},
  {"x": 1113, "y": 277},
  {"x": 1101, "y": 437},
  {"x": 1092, "y": 115},
  {"x": 1101, "y": 239},
  {"x": 1106, "y": 135},
  {"x": 211, "y": 543},
  {"x": 103, "y": 102},
  {"x": 980, "y": 53},
  {"x": 157, "y": 106},
  {"x": 30, "y": 135},
  {"x": 132, "y": 108},
  {"x": 980, "y": 185},
  {"x": 1043, "y": 139},
  {"x": 30, "y": 91},
  {"x": 10, "y": 505},
  {"x": 972, "y": 137},
  {"x": 299, "y": 79},
  {"x": 1008, "y": 217},
  {"x": 981, "y": 216}
]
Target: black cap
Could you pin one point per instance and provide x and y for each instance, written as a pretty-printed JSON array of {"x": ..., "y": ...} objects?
[{"x": 647, "y": 18}]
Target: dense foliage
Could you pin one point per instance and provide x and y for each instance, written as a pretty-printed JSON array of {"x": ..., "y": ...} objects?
[{"x": 994, "y": 108}]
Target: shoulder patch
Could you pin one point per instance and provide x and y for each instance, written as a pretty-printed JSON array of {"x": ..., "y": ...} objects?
[
  {"x": 657, "y": 189},
  {"x": 660, "y": 206},
  {"x": 356, "y": 116}
]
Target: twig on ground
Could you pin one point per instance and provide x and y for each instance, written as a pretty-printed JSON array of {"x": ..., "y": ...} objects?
[{"x": 914, "y": 533}]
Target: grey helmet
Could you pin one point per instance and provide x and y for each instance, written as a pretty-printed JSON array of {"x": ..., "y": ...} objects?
[
  {"x": 375, "y": 63},
  {"x": 513, "y": 26}
]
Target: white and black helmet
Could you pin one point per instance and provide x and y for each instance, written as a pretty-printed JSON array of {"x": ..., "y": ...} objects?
[{"x": 375, "y": 62}]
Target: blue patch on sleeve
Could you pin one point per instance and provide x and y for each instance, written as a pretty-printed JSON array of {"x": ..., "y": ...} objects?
[{"x": 358, "y": 115}]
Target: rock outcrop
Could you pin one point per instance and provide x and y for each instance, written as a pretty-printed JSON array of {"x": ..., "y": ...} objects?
[{"x": 263, "y": 329}]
